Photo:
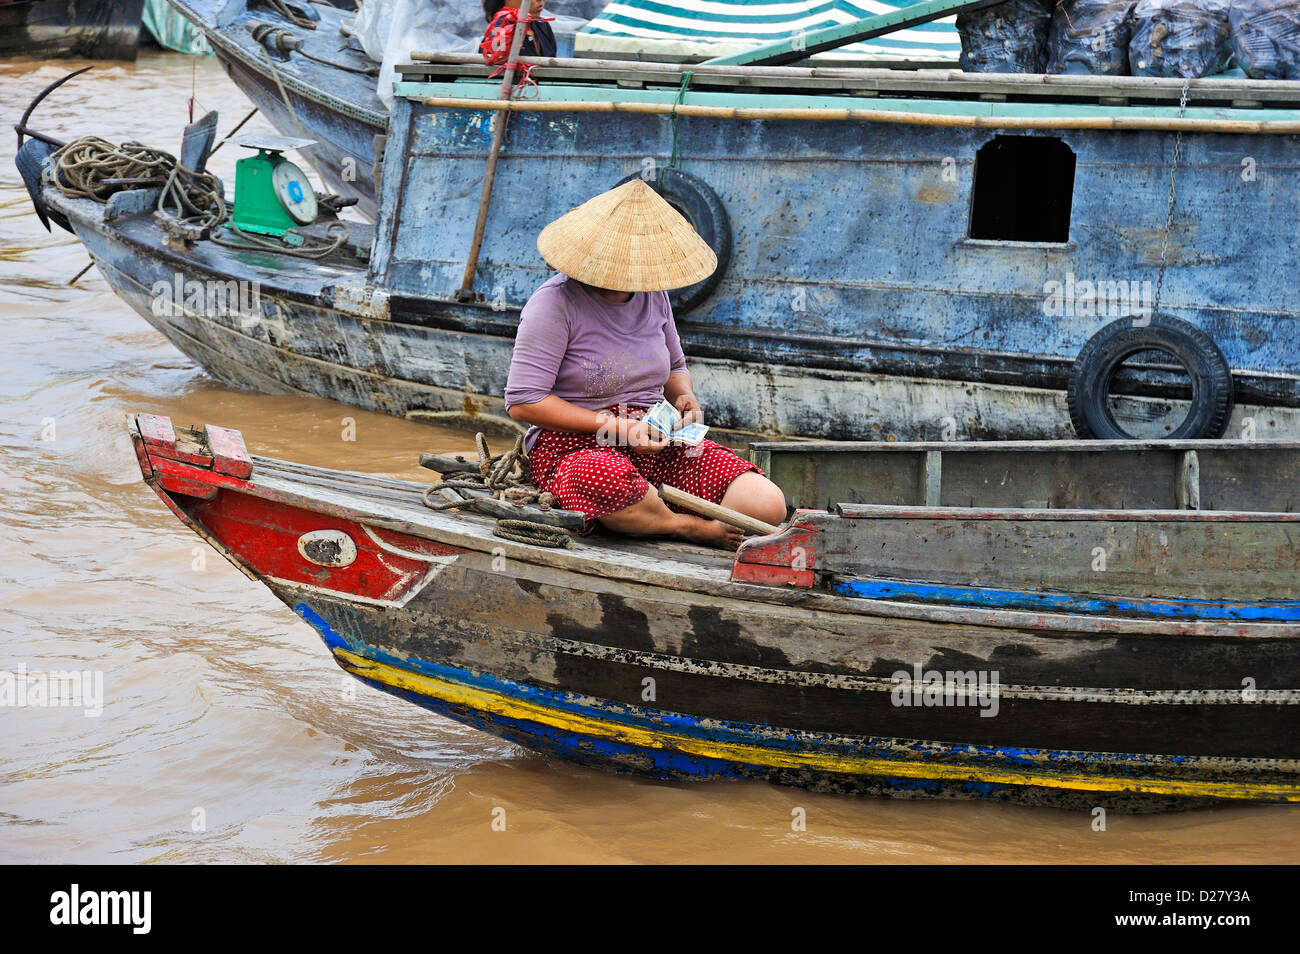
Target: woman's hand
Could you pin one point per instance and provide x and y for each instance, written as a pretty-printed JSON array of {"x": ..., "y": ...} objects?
[
  {"x": 689, "y": 407},
  {"x": 638, "y": 436}
]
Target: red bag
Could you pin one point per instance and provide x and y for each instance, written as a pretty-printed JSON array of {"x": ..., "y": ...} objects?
[{"x": 495, "y": 45}]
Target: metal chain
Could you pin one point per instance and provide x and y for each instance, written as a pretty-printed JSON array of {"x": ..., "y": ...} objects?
[{"x": 1169, "y": 209}]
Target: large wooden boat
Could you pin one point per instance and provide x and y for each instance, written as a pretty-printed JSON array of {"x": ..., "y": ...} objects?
[
  {"x": 89, "y": 29},
  {"x": 988, "y": 621},
  {"x": 903, "y": 254}
]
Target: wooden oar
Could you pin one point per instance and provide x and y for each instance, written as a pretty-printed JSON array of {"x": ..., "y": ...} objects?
[
  {"x": 466, "y": 290},
  {"x": 707, "y": 508}
]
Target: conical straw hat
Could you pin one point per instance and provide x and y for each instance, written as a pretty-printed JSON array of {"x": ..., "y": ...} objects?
[{"x": 627, "y": 239}]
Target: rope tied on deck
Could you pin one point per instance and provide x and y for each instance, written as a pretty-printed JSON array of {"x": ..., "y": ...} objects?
[
  {"x": 506, "y": 478},
  {"x": 535, "y": 534},
  {"x": 83, "y": 164},
  {"x": 282, "y": 8}
]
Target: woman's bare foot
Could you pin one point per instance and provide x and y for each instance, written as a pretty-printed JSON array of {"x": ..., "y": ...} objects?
[
  {"x": 710, "y": 533},
  {"x": 650, "y": 517}
]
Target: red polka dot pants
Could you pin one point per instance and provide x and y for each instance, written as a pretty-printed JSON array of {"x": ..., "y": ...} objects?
[{"x": 598, "y": 480}]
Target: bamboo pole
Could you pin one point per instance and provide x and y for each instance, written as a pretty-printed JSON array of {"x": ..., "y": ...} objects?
[
  {"x": 761, "y": 113},
  {"x": 706, "y": 508},
  {"x": 466, "y": 291}
]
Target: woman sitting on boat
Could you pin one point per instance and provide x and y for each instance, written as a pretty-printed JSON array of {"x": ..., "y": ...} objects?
[{"x": 596, "y": 348}]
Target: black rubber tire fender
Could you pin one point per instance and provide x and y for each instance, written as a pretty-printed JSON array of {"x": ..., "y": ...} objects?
[
  {"x": 692, "y": 197},
  {"x": 1094, "y": 370}
]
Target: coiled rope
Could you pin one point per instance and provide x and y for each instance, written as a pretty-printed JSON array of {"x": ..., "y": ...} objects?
[
  {"x": 192, "y": 198},
  {"x": 506, "y": 478},
  {"x": 84, "y": 163},
  {"x": 536, "y": 534}
]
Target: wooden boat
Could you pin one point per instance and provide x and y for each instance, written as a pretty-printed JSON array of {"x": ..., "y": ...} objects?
[
  {"x": 88, "y": 29},
  {"x": 1168, "y": 678},
  {"x": 915, "y": 323},
  {"x": 330, "y": 98}
]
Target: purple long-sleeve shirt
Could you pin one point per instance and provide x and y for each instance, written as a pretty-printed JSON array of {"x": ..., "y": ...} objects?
[{"x": 592, "y": 352}]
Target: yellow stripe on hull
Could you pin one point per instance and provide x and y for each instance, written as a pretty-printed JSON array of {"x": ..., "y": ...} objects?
[{"x": 484, "y": 700}]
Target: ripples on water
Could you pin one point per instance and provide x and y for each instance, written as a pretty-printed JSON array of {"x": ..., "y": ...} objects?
[{"x": 219, "y": 699}]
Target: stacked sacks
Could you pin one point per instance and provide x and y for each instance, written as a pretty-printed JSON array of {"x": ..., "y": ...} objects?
[
  {"x": 1187, "y": 38},
  {"x": 1008, "y": 38},
  {"x": 1265, "y": 37},
  {"x": 1090, "y": 36}
]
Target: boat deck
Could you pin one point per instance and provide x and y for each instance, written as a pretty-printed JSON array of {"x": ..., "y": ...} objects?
[{"x": 397, "y": 504}]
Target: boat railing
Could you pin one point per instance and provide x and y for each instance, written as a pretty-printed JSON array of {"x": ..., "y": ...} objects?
[
  {"x": 1207, "y": 475},
  {"x": 1238, "y": 92}
]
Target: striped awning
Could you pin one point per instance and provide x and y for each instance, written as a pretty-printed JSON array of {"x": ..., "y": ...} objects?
[{"x": 705, "y": 28}]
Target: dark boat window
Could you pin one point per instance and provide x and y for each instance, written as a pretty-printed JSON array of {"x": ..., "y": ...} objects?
[{"x": 1024, "y": 188}]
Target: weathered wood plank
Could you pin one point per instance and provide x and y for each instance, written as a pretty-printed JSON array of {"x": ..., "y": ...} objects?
[
  {"x": 933, "y": 477},
  {"x": 450, "y": 463},
  {"x": 229, "y": 455},
  {"x": 1174, "y": 555},
  {"x": 1231, "y": 475},
  {"x": 1189, "y": 481},
  {"x": 157, "y": 432},
  {"x": 191, "y": 447}
]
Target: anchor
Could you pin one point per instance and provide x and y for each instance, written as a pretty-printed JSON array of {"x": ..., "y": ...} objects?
[{"x": 32, "y": 155}]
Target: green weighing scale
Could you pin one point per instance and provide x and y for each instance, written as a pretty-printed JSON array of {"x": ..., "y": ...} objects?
[{"x": 272, "y": 195}]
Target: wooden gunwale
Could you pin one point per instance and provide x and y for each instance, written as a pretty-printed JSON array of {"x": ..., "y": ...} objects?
[
  {"x": 313, "y": 488},
  {"x": 897, "y": 512}
]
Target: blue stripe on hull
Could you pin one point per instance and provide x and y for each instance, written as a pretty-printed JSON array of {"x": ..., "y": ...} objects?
[{"x": 1264, "y": 611}]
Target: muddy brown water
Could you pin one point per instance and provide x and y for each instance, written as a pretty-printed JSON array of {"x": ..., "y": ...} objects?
[{"x": 227, "y": 733}]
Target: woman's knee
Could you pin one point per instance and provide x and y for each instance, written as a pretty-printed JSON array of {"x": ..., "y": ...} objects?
[{"x": 754, "y": 495}]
